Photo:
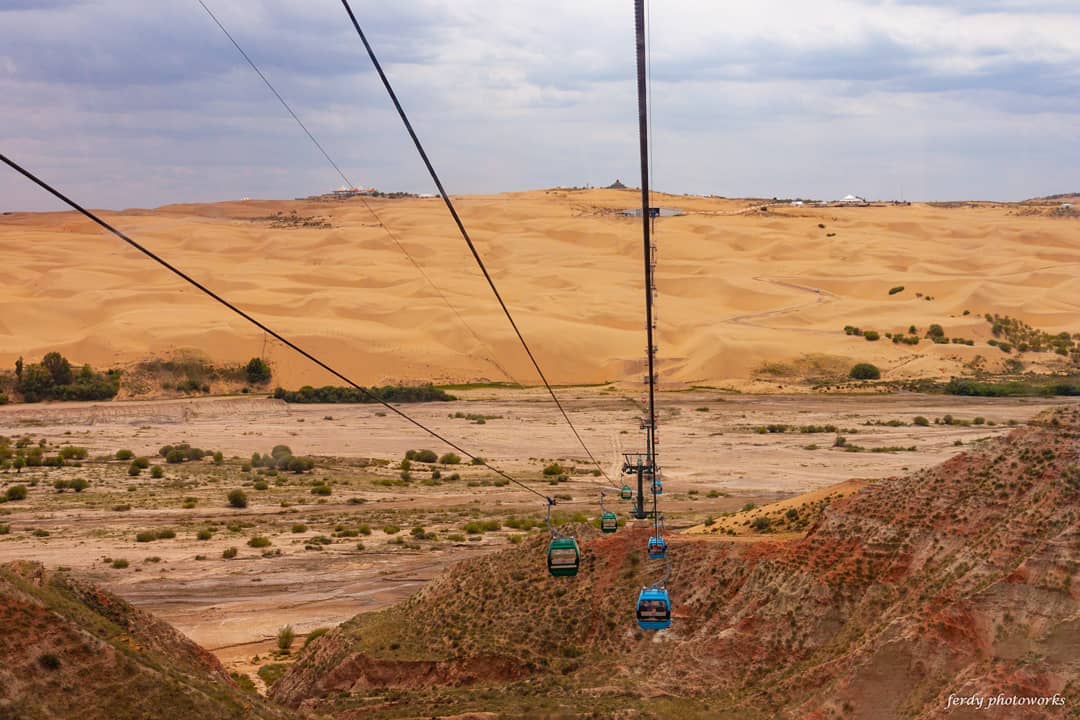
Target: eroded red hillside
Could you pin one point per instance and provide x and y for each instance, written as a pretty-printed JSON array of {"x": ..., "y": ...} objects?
[{"x": 958, "y": 580}]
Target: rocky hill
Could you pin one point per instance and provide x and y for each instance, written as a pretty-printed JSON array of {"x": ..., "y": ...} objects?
[
  {"x": 71, "y": 650},
  {"x": 955, "y": 581}
]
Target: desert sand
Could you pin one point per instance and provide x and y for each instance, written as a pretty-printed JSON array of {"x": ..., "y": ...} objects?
[{"x": 739, "y": 287}]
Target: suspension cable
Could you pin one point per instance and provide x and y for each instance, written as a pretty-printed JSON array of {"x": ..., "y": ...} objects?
[
  {"x": 349, "y": 183},
  {"x": 464, "y": 232},
  {"x": 266, "y": 329}
]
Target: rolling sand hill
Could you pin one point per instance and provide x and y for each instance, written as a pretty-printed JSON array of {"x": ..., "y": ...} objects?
[
  {"x": 739, "y": 286},
  {"x": 956, "y": 580}
]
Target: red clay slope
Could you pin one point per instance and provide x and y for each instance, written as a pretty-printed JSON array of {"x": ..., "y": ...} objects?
[{"x": 958, "y": 580}]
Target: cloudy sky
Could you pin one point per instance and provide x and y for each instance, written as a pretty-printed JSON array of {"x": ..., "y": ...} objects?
[{"x": 128, "y": 103}]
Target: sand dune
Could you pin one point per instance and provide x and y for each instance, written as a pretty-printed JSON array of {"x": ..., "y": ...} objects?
[{"x": 738, "y": 287}]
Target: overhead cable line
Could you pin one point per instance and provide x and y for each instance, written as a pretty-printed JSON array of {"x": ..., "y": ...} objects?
[
  {"x": 465, "y": 233},
  {"x": 349, "y": 184},
  {"x": 257, "y": 323}
]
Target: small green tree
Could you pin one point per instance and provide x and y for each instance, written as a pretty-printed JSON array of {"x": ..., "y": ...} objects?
[
  {"x": 58, "y": 367},
  {"x": 258, "y": 371}
]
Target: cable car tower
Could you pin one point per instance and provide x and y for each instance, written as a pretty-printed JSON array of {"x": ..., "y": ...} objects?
[{"x": 643, "y": 464}]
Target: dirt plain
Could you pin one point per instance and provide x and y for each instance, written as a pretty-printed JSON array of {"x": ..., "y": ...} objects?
[{"x": 716, "y": 451}]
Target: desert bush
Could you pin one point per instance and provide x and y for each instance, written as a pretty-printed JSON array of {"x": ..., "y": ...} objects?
[
  {"x": 871, "y": 335},
  {"x": 391, "y": 529},
  {"x": 450, "y": 459},
  {"x": 134, "y": 470},
  {"x": 78, "y": 484},
  {"x": 285, "y": 637},
  {"x": 229, "y": 553},
  {"x": 258, "y": 371},
  {"x": 553, "y": 469},
  {"x": 72, "y": 452},
  {"x": 761, "y": 524},
  {"x": 175, "y": 456},
  {"x": 259, "y": 541},
  {"x": 204, "y": 535},
  {"x": 124, "y": 455},
  {"x": 921, "y": 421},
  {"x": 865, "y": 371},
  {"x": 237, "y": 498},
  {"x": 427, "y": 456},
  {"x": 897, "y": 289},
  {"x": 141, "y": 463},
  {"x": 299, "y": 528},
  {"x": 157, "y": 472},
  {"x": 261, "y": 485},
  {"x": 935, "y": 331},
  {"x": 321, "y": 489},
  {"x": 15, "y": 492},
  {"x": 477, "y": 461}
]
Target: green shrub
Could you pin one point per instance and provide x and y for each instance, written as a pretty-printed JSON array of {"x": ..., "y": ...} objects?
[
  {"x": 897, "y": 289},
  {"x": 145, "y": 536},
  {"x": 141, "y": 463},
  {"x": 871, "y": 335},
  {"x": 229, "y": 553},
  {"x": 865, "y": 371},
  {"x": 219, "y": 458},
  {"x": 935, "y": 331},
  {"x": 478, "y": 461},
  {"x": 15, "y": 492},
  {"x": 428, "y": 456},
  {"x": 204, "y": 535},
  {"x": 261, "y": 485},
  {"x": 237, "y": 498},
  {"x": 124, "y": 455},
  {"x": 761, "y": 524},
  {"x": 450, "y": 459},
  {"x": 285, "y": 637},
  {"x": 78, "y": 484},
  {"x": 258, "y": 371},
  {"x": 391, "y": 529},
  {"x": 175, "y": 456},
  {"x": 553, "y": 469},
  {"x": 134, "y": 470},
  {"x": 157, "y": 472},
  {"x": 299, "y": 528},
  {"x": 259, "y": 541},
  {"x": 119, "y": 563},
  {"x": 321, "y": 489},
  {"x": 921, "y": 421}
]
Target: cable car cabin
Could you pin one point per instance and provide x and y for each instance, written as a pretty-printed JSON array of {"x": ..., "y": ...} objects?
[
  {"x": 657, "y": 487},
  {"x": 563, "y": 557},
  {"x": 657, "y": 548},
  {"x": 609, "y": 522},
  {"x": 626, "y": 493},
  {"x": 654, "y": 609}
]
